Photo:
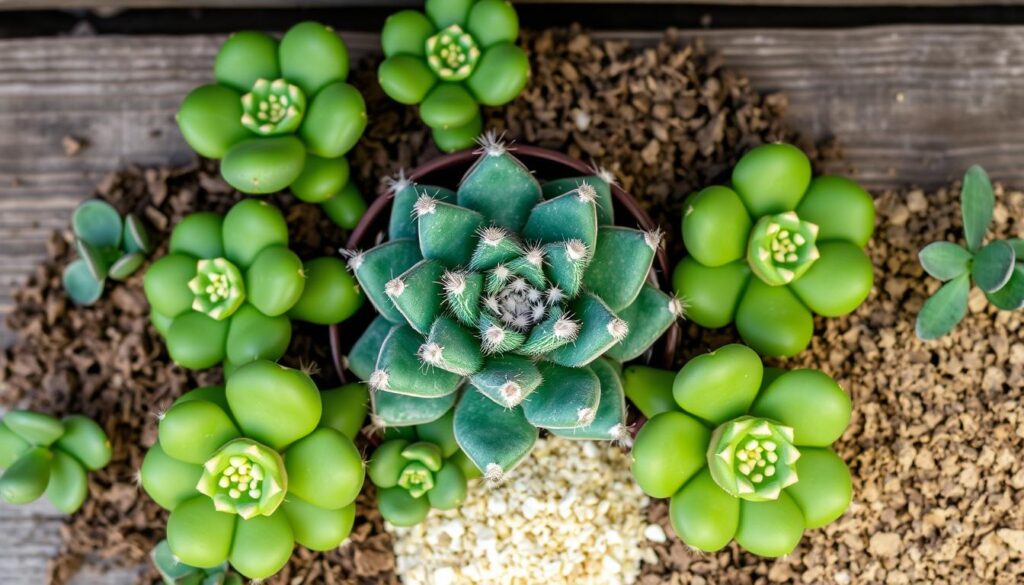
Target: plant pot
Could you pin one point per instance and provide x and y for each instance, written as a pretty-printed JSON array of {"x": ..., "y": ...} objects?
[{"x": 447, "y": 171}]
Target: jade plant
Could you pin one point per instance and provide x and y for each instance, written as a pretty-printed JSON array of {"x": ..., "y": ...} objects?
[
  {"x": 997, "y": 267},
  {"x": 252, "y": 468},
  {"x": 458, "y": 56},
  {"x": 280, "y": 115},
  {"x": 743, "y": 451},
  {"x": 229, "y": 285},
  {"x": 528, "y": 292},
  {"x": 43, "y": 455},
  {"x": 174, "y": 572},
  {"x": 108, "y": 246},
  {"x": 775, "y": 248},
  {"x": 418, "y": 468}
]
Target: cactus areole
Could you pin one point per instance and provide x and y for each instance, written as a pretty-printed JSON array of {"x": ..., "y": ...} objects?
[{"x": 512, "y": 300}]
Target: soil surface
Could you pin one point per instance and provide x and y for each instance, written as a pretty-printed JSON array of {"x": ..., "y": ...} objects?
[{"x": 935, "y": 434}]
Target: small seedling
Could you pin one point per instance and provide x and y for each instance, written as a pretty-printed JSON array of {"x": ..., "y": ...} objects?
[
  {"x": 528, "y": 292},
  {"x": 251, "y": 469},
  {"x": 174, "y": 572},
  {"x": 43, "y": 455},
  {"x": 450, "y": 60},
  {"x": 743, "y": 451},
  {"x": 997, "y": 268},
  {"x": 108, "y": 247}
]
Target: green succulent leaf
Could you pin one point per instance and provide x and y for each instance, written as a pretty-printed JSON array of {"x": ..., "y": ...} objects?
[
  {"x": 567, "y": 398},
  {"x": 345, "y": 408},
  {"x": 399, "y": 368},
  {"x": 450, "y": 487},
  {"x": 773, "y": 321},
  {"x": 825, "y": 488},
  {"x": 38, "y": 428},
  {"x": 440, "y": 433},
  {"x": 944, "y": 309},
  {"x": 97, "y": 223},
  {"x": 85, "y": 440},
  {"x": 716, "y": 226},
  {"x": 95, "y": 259},
  {"x": 273, "y": 404},
  {"x": 125, "y": 266},
  {"x": 840, "y": 208},
  {"x": 649, "y": 389},
  {"x": 609, "y": 421},
  {"x": 346, "y": 207},
  {"x": 710, "y": 295},
  {"x": 170, "y": 568},
  {"x": 11, "y": 446},
  {"x": 324, "y": 469},
  {"x": 507, "y": 379},
  {"x": 976, "y": 203},
  {"x": 403, "y": 222},
  {"x": 394, "y": 410},
  {"x": 604, "y": 201},
  {"x": 167, "y": 480},
  {"x": 405, "y": 33},
  {"x": 316, "y": 528},
  {"x": 497, "y": 169},
  {"x": 649, "y": 317},
  {"x": 313, "y": 56},
  {"x": 669, "y": 449},
  {"x": 703, "y": 514},
  {"x": 620, "y": 263},
  {"x": 494, "y": 437},
  {"x": 68, "y": 485},
  {"x": 772, "y": 178},
  {"x": 993, "y": 266},
  {"x": 136, "y": 236},
  {"x": 262, "y": 545},
  {"x": 600, "y": 329},
  {"x": 245, "y": 57},
  {"x": 1011, "y": 296},
  {"x": 458, "y": 137},
  {"x": 771, "y": 528},
  {"x": 198, "y": 534},
  {"x": 362, "y": 358},
  {"x": 451, "y": 347},
  {"x": 375, "y": 268},
  {"x": 80, "y": 284},
  {"x": 259, "y": 166},
  {"x": 808, "y": 401},
  {"x": 26, "y": 479},
  {"x": 400, "y": 508},
  {"x": 447, "y": 233},
  {"x": 572, "y": 216}
]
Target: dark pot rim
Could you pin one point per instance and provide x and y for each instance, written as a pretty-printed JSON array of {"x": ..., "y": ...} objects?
[{"x": 465, "y": 158}]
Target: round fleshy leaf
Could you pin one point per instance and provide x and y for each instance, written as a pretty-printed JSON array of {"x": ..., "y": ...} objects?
[
  {"x": 838, "y": 282},
  {"x": 494, "y": 437},
  {"x": 198, "y": 235},
  {"x": 346, "y": 207},
  {"x": 253, "y": 336},
  {"x": 264, "y": 165},
  {"x": 321, "y": 178},
  {"x": 245, "y": 57},
  {"x": 193, "y": 431},
  {"x": 716, "y": 227},
  {"x": 167, "y": 480},
  {"x": 316, "y": 528},
  {"x": 772, "y": 528},
  {"x": 500, "y": 75},
  {"x": 976, "y": 204},
  {"x": 166, "y": 284},
  {"x": 449, "y": 489},
  {"x": 136, "y": 237},
  {"x": 68, "y": 485},
  {"x": 335, "y": 121},
  {"x": 38, "y": 428},
  {"x": 196, "y": 341},
  {"x": 772, "y": 321},
  {"x": 26, "y": 479},
  {"x": 944, "y": 309},
  {"x": 945, "y": 260},
  {"x": 493, "y": 21},
  {"x": 840, "y": 208},
  {"x": 125, "y": 266},
  {"x": 198, "y": 534},
  {"x": 11, "y": 446},
  {"x": 703, "y": 515},
  {"x": 210, "y": 119},
  {"x": 85, "y": 440},
  {"x": 710, "y": 295},
  {"x": 399, "y": 508},
  {"x": 345, "y": 408},
  {"x": 312, "y": 56},
  {"x": 79, "y": 283},
  {"x": 669, "y": 450},
  {"x": 170, "y": 568},
  {"x": 387, "y": 462},
  {"x": 808, "y": 401},
  {"x": 649, "y": 389},
  {"x": 330, "y": 295},
  {"x": 405, "y": 79},
  {"x": 275, "y": 280},
  {"x": 214, "y": 394},
  {"x": 250, "y": 226},
  {"x": 441, "y": 433},
  {"x": 405, "y": 33},
  {"x": 325, "y": 469},
  {"x": 448, "y": 105},
  {"x": 825, "y": 488},
  {"x": 1011, "y": 296},
  {"x": 448, "y": 12},
  {"x": 772, "y": 178},
  {"x": 458, "y": 137},
  {"x": 273, "y": 404},
  {"x": 720, "y": 385},
  {"x": 95, "y": 259},
  {"x": 97, "y": 222},
  {"x": 993, "y": 266}
]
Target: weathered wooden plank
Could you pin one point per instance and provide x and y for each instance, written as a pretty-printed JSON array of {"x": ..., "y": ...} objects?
[{"x": 107, "y": 5}]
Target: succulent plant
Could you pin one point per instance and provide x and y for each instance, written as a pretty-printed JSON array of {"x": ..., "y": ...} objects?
[
  {"x": 174, "y": 572},
  {"x": 418, "y": 468},
  {"x": 43, "y": 455},
  {"x": 108, "y": 247},
  {"x": 229, "y": 285},
  {"x": 775, "y": 248},
  {"x": 249, "y": 470},
  {"x": 459, "y": 55},
  {"x": 997, "y": 268},
  {"x": 743, "y": 451},
  {"x": 280, "y": 115},
  {"x": 527, "y": 292}
]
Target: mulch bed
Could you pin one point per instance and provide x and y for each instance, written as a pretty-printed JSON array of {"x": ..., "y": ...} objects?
[{"x": 666, "y": 120}]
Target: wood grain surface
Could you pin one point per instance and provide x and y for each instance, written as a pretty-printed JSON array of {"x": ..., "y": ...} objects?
[
  {"x": 910, "y": 104},
  {"x": 106, "y": 5}
]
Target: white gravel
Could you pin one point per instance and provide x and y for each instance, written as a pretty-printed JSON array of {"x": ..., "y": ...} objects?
[{"x": 570, "y": 513}]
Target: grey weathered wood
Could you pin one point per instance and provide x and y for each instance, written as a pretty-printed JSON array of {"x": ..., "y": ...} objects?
[
  {"x": 910, "y": 104},
  {"x": 108, "y": 5}
]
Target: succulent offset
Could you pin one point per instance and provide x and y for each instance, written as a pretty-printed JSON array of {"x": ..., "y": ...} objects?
[
  {"x": 743, "y": 451},
  {"x": 419, "y": 468},
  {"x": 997, "y": 268},
  {"x": 43, "y": 455},
  {"x": 229, "y": 287},
  {"x": 174, "y": 572},
  {"x": 774, "y": 249},
  {"x": 249, "y": 470},
  {"x": 108, "y": 247},
  {"x": 457, "y": 56},
  {"x": 281, "y": 115},
  {"x": 512, "y": 301}
]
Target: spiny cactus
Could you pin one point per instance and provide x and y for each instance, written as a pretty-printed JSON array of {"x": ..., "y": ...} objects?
[
  {"x": 528, "y": 293},
  {"x": 108, "y": 247},
  {"x": 43, "y": 455},
  {"x": 997, "y": 268}
]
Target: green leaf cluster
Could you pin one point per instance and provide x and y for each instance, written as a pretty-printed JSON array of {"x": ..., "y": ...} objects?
[{"x": 108, "y": 246}]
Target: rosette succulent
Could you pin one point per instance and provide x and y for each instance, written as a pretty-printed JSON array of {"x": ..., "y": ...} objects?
[
  {"x": 43, "y": 455},
  {"x": 108, "y": 246},
  {"x": 775, "y": 248},
  {"x": 419, "y": 468},
  {"x": 249, "y": 470},
  {"x": 229, "y": 285},
  {"x": 743, "y": 451},
  {"x": 997, "y": 268},
  {"x": 280, "y": 114},
  {"x": 174, "y": 572},
  {"x": 528, "y": 292},
  {"x": 459, "y": 55}
]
